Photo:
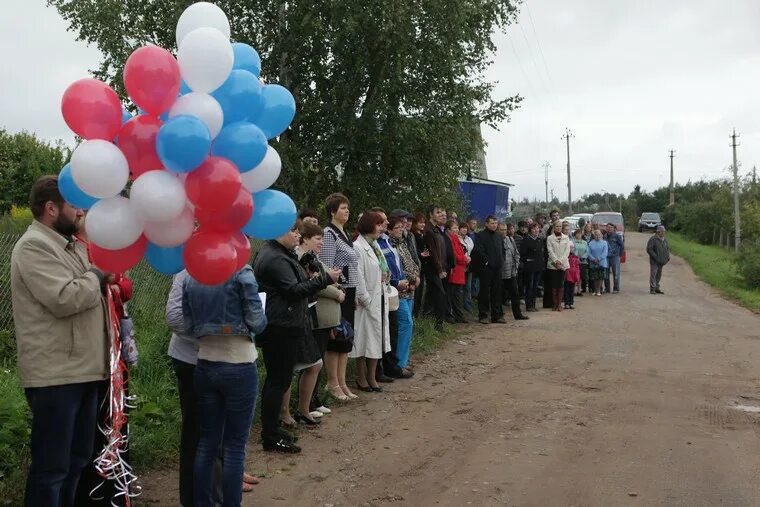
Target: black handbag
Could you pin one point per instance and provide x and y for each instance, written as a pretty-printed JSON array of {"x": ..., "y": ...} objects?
[{"x": 344, "y": 332}]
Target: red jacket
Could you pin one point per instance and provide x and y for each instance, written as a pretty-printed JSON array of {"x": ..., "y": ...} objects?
[
  {"x": 456, "y": 275},
  {"x": 573, "y": 275}
]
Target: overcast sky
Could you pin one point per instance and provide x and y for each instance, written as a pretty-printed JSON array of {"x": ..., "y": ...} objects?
[{"x": 631, "y": 79}]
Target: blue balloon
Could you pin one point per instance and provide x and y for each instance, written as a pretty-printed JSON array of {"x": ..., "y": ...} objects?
[
  {"x": 246, "y": 58},
  {"x": 168, "y": 261},
  {"x": 183, "y": 143},
  {"x": 278, "y": 111},
  {"x": 242, "y": 143},
  {"x": 274, "y": 213},
  {"x": 125, "y": 116},
  {"x": 71, "y": 192},
  {"x": 239, "y": 96},
  {"x": 183, "y": 88}
]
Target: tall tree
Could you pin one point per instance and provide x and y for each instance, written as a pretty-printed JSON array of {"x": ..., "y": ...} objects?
[{"x": 387, "y": 91}]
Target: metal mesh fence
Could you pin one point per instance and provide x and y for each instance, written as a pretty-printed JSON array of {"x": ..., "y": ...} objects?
[{"x": 152, "y": 286}]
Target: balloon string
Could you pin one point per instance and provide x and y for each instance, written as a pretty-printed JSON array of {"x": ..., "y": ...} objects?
[{"x": 110, "y": 462}]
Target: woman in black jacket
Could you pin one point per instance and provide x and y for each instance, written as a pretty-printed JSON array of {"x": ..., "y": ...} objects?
[
  {"x": 288, "y": 289},
  {"x": 532, "y": 260}
]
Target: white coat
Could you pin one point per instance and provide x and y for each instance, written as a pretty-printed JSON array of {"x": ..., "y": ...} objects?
[{"x": 371, "y": 333}]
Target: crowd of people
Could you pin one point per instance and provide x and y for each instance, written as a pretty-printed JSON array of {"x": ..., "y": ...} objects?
[{"x": 310, "y": 300}]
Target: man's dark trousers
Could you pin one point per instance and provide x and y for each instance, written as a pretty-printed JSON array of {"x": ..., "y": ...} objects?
[
  {"x": 489, "y": 296},
  {"x": 64, "y": 421},
  {"x": 511, "y": 293},
  {"x": 435, "y": 295},
  {"x": 389, "y": 365}
]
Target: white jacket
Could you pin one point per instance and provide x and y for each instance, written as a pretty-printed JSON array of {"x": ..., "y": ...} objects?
[
  {"x": 371, "y": 334},
  {"x": 558, "y": 249}
]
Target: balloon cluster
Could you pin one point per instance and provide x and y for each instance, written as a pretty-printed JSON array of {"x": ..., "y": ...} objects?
[{"x": 196, "y": 154}]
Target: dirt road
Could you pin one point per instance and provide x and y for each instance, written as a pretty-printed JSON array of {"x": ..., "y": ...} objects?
[{"x": 631, "y": 399}]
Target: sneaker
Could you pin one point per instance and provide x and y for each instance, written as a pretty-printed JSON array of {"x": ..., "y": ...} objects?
[
  {"x": 316, "y": 414},
  {"x": 282, "y": 446},
  {"x": 484, "y": 321},
  {"x": 658, "y": 291},
  {"x": 616, "y": 292},
  {"x": 500, "y": 320},
  {"x": 571, "y": 307},
  {"x": 652, "y": 291},
  {"x": 324, "y": 410}
]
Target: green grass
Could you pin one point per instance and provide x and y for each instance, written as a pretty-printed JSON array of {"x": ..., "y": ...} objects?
[{"x": 717, "y": 267}]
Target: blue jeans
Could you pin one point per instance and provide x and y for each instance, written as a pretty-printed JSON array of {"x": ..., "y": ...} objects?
[
  {"x": 226, "y": 400},
  {"x": 614, "y": 270},
  {"x": 468, "y": 292},
  {"x": 405, "y": 330},
  {"x": 64, "y": 421}
]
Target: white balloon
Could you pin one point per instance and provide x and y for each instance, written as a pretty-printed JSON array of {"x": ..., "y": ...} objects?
[
  {"x": 205, "y": 59},
  {"x": 204, "y": 107},
  {"x": 113, "y": 223},
  {"x": 158, "y": 196},
  {"x": 172, "y": 232},
  {"x": 264, "y": 174},
  {"x": 199, "y": 15},
  {"x": 99, "y": 168}
]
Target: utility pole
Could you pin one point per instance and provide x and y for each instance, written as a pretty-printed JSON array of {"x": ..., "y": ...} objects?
[
  {"x": 567, "y": 137},
  {"x": 672, "y": 184},
  {"x": 546, "y": 167},
  {"x": 737, "y": 215}
]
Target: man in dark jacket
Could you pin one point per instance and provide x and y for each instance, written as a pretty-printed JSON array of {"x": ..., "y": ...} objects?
[
  {"x": 288, "y": 289},
  {"x": 533, "y": 264},
  {"x": 435, "y": 266},
  {"x": 487, "y": 260},
  {"x": 659, "y": 255}
]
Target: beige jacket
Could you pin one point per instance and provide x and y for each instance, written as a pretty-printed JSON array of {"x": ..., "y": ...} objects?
[
  {"x": 59, "y": 312},
  {"x": 558, "y": 249}
]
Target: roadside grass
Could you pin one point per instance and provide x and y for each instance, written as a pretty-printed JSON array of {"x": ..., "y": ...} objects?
[{"x": 717, "y": 267}]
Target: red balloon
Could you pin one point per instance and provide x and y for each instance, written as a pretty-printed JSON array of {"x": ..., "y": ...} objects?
[
  {"x": 137, "y": 140},
  {"x": 210, "y": 257},
  {"x": 118, "y": 261},
  {"x": 151, "y": 76},
  {"x": 230, "y": 219},
  {"x": 243, "y": 248},
  {"x": 91, "y": 109},
  {"x": 214, "y": 185}
]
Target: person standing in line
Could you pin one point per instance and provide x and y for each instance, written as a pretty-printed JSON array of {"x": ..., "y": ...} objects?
[
  {"x": 418, "y": 232},
  {"x": 597, "y": 258},
  {"x": 558, "y": 253},
  {"x": 581, "y": 251},
  {"x": 372, "y": 331},
  {"x": 224, "y": 318},
  {"x": 62, "y": 337},
  {"x": 659, "y": 255},
  {"x": 549, "y": 225},
  {"x": 532, "y": 260},
  {"x": 338, "y": 252},
  {"x": 456, "y": 278},
  {"x": 616, "y": 249},
  {"x": 434, "y": 266},
  {"x": 572, "y": 278},
  {"x": 389, "y": 368},
  {"x": 488, "y": 259},
  {"x": 288, "y": 288},
  {"x": 511, "y": 293},
  {"x": 406, "y": 303},
  {"x": 472, "y": 227},
  {"x": 467, "y": 245},
  {"x": 520, "y": 233}
]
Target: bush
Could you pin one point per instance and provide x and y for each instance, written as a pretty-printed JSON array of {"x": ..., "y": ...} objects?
[{"x": 749, "y": 262}]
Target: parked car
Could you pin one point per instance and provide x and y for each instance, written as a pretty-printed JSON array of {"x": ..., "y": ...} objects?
[
  {"x": 611, "y": 217},
  {"x": 573, "y": 221},
  {"x": 649, "y": 221},
  {"x": 585, "y": 216}
]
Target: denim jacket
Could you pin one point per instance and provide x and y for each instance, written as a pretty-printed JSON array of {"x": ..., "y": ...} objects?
[
  {"x": 615, "y": 245},
  {"x": 233, "y": 308}
]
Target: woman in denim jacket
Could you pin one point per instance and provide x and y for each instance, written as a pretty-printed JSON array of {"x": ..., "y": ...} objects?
[{"x": 225, "y": 319}]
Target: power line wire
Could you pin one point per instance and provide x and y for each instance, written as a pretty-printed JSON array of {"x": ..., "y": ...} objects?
[
  {"x": 522, "y": 69},
  {"x": 538, "y": 42}
]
